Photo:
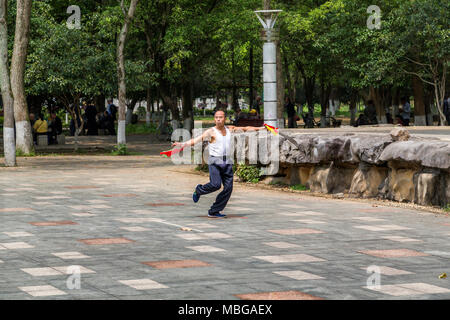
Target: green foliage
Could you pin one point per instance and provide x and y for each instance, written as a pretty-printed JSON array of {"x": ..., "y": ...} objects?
[
  {"x": 248, "y": 173},
  {"x": 446, "y": 208},
  {"x": 120, "y": 150},
  {"x": 299, "y": 187},
  {"x": 141, "y": 128},
  {"x": 20, "y": 153}
]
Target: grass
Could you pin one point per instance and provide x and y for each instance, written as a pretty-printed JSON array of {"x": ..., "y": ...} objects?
[
  {"x": 20, "y": 153},
  {"x": 202, "y": 168},
  {"x": 299, "y": 187},
  {"x": 446, "y": 208},
  {"x": 141, "y": 128}
]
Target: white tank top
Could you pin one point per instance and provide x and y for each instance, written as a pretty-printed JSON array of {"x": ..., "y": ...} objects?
[{"x": 221, "y": 147}]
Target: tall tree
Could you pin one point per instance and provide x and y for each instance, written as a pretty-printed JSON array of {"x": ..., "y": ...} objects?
[
  {"x": 8, "y": 102},
  {"x": 24, "y": 139},
  {"x": 128, "y": 17}
]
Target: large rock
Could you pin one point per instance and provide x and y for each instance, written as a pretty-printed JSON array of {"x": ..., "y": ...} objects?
[
  {"x": 349, "y": 148},
  {"x": 429, "y": 153},
  {"x": 331, "y": 179},
  {"x": 400, "y": 134},
  {"x": 400, "y": 183},
  {"x": 367, "y": 180},
  {"x": 428, "y": 187}
]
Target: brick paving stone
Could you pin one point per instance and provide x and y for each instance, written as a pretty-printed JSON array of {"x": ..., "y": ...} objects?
[
  {"x": 42, "y": 291},
  {"x": 394, "y": 253},
  {"x": 280, "y": 295},
  {"x": 288, "y": 232},
  {"x": 289, "y": 258},
  {"x": 298, "y": 275},
  {"x": 100, "y": 241},
  {"x": 143, "y": 284},
  {"x": 168, "y": 264}
]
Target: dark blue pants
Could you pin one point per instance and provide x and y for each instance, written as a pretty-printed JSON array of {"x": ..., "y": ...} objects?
[{"x": 220, "y": 172}]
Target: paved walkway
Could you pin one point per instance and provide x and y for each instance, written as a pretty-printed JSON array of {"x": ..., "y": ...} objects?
[{"x": 130, "y": 225}]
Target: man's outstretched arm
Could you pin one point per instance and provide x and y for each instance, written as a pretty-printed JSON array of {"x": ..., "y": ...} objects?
[{"x": 205, "y": 136}]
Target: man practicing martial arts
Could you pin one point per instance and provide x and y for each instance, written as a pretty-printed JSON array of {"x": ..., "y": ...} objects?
[{"x": 220, "y": 162}]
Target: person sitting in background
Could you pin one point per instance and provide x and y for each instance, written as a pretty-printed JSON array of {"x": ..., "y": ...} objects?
[
  {"x": 40, "y": 128},
  {"x": 106, "y": 123},
  {"x": 55, "y": 128},
  {"x": 369, "y": 116},
  {"x": 257, "y": 105},
  {"x": 237, "y": 116},
  {"x": 446, "y": 109},
  {"x": 253, "y": 115},
  {"x": 405, "y": 110}
]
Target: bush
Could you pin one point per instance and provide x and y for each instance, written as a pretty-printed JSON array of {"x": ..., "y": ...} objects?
[
  {"x": 120, "y": 150},
  {"x": 202, "y": 168},
  {"x": 446, "y": 208},
  {"x": 248, "y": 173}
]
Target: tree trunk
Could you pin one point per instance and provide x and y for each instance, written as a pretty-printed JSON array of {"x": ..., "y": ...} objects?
[
  {"x": 188, "y": 110},
  {"x": 121, "y": 139},
  {"x": 24, "y": 139},
  {"x": 250, "y": 94},
  {"x": 419, "y": 102},
  {"x": 353, "y": 98},
  {"x": 325, "y": 91},
  {"x": 309, "y": 94},
  {"x": 149, "y": 108},
  {"x": 234, "y": 102},
  {"x": 9, "y": 143}
]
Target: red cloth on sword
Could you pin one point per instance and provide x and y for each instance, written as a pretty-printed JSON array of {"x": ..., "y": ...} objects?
[
  {"x": 271, "y": 128},
  {"x": 169, "y": 153}
]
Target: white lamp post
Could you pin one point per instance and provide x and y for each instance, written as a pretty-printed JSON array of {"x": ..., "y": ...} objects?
[{"x": 268, "y": 19}]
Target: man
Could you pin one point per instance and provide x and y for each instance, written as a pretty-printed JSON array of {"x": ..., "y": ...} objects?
[
  {"x": 405, "y": 110},
  {"x": 257, "y": 105},
  {"x": 292, "y": 115},
  {"x": 55, "y": 128},
  {"x": 91, "y": 116},
  {"x": 111, "y": 109},
  {"x": 220, "y": 162},
  {"x": 447, "y": 110},
  {"x": 40, "y": 127}
]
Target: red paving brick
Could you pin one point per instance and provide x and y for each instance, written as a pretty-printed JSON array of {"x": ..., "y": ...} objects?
[
  {"x": 394, "y": 253},
  {"x": 278, "y": 295},
  {"x": 52, "y": 223},
  {"x": 167, "y": 264},
  {"x": 99, "y": 241},
  {"x": 15, "y": 209}
]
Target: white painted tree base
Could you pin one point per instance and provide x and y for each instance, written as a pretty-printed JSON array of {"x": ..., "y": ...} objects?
[
  {"x": 147, "y": 119},
  {"x": 121, "y": 138},
  {"x": 420, "y": 120},
  {"x": 9, "y": 146},
  {"x": 24, "y": 138}
]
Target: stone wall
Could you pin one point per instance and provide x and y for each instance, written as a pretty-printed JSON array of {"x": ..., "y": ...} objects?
[{"x": 391, "y": 166}]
